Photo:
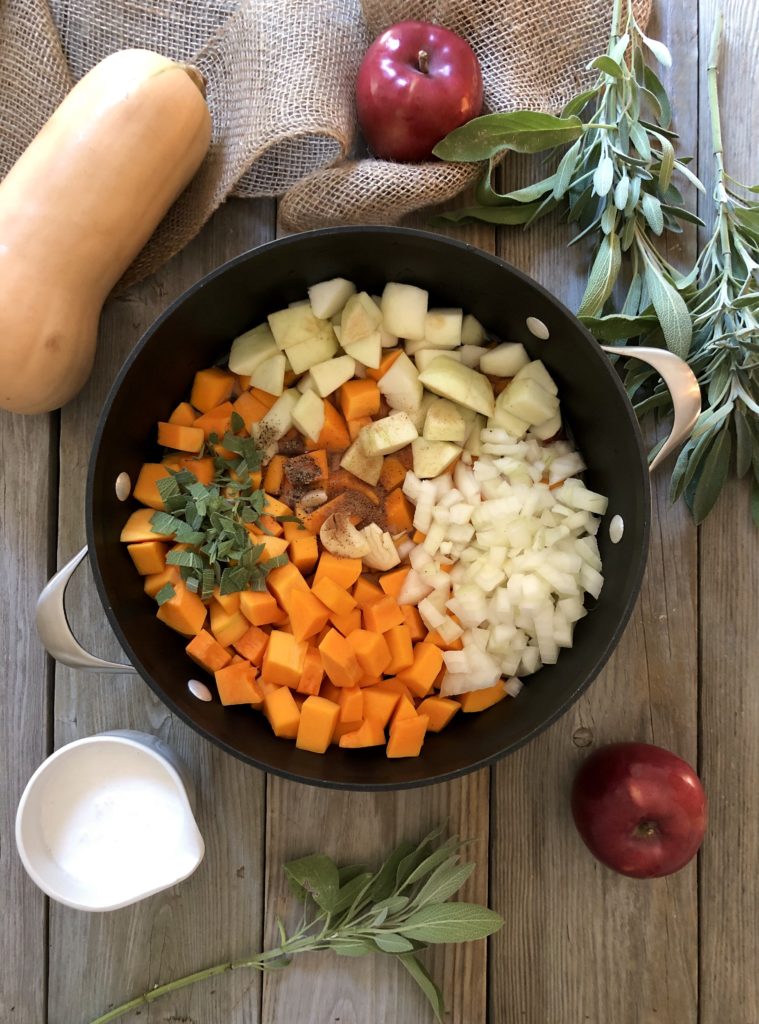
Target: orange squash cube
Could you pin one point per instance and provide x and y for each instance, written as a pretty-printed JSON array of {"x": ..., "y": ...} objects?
[
  {"x": 359, "y": 398},
  {"x": 229, "y": 602},
  {"x": 439, "y": 710},
  {"x": 252, "y": 644},
  {"x": 149, "y": 557},
  {"x": 304, "y": 552},
  {"x": 137, "y": 528},
  {"x": 342, "y": 571},
  {"x": 334, "y": 597},
  {"x": 346, "y": 624},
  {"x": 393, "y": 473},
  {"x": 391, "y": 582},
  {"x": 275, "y": 474},
  {"x": 226, "y": 626},
  {"x": 184, "y": 612},
  {"x": 183, "y": 439},
  {"x": 407, "y": 736},
  {"x": 313, "y": 673},
  {"x": 400, "y": 516},
  {"x": 318, "y": 718},
  {"x": 351, "y": 701},
  {"x": 308, "y": 616},
  {"x": 382, "y": 615},
  {"x": 379, "y": 703},
  {"x": 145, "y": 490},
  {"x": 282, "y": 712},
  {"x": 369, "y": 734},
  {"x": 184, "y": 415},
  {"x": 401, "y": 650},
  {"x": 340, "y": 662},
  {"x": 284, "y": 579},
  {"x": 211, "y": 387},
  {"x": 283, "y": 659},
  {"x": 371, "y": 650},
  {"x": 259, "y": 607},
  {"x": 366, "y": 593},
  {"x": 157, "y": 581},
  {"x": 419, "y": 678},
  {"x": 250, "y": 408},
  {"x": 479, "y": 700},
  {"x": 236, "y": 684},
  {"x": 207, "y": 652},
  {"x": 414, "y": 622}
]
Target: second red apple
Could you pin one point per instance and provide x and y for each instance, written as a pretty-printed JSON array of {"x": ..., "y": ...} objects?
[{"x": 417, "y": 83}]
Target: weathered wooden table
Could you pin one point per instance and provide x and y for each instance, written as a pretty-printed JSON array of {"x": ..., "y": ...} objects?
[{"x": 580, "y": 943}]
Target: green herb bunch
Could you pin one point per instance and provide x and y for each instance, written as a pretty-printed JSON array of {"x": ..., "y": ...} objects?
[
  {"x": 212, "y": 521},
  {"x": 724, "y": 307},
  {"x": 615, "y": 181},
  {"x": 398, "y": 910}
]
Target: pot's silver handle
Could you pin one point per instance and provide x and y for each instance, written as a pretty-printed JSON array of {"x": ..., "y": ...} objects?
[
  {"x": 682, "y": 385},
  {"x": 54, "y": 630}
]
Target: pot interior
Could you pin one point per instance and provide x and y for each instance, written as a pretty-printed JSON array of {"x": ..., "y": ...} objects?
[{"x": 198, "y": 329}]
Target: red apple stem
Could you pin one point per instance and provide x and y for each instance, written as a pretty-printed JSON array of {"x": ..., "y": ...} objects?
[
  {"x": 647, "y": 829},
  {"x": 423, "y": 61}
]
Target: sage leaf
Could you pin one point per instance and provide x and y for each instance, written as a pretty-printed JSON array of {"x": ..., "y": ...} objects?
[
  {"x": 384, "y": 883},
  {"x": 687, "y": 464},
  {"x": 578, "y": 103},
  {"x": 565, "y": 170},
  {"x": 743, "y": 443},
  {"x": 349, "y": 891},
  {"x": 639, "y": 139},
  {"x": 604, "y": 176},
  {"x": 389, "y": 942},
  {"x": 713, "y": 475},
  {"x": 451, "y": 922},
  {"x": 444, "y": 853},
  {"x": 667, "y": 161},
  {"x": 655, "y": 87},
  {"x": 351, "y": 946},
  {"x": 608, "y": 65},
  {"x": 419, "y": 973},
  {"x": 672, "y": 312},
  {"x": 621, "y": 192},
  {"x": 659, "y": 50},
  {"x": 165, "y": 594},
  {"x": 652, "y": 212},
  {"x": 602, "y": 276},
  {"x": 517, "y": 214},
  {"x": 523, "y": 131},
  {"x": 444, "y": 881},
  {"x": 687, "y": 173},
  {"x": 617, "y": 326},
  {"x": 315, "y": 876}
]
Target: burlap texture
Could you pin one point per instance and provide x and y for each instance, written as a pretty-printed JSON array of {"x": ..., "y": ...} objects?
[{"x": 280, "y": 88}]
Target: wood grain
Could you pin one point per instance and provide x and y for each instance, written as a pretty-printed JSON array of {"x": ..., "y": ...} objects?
[
  {"x": 729, "y": 612},
  {"x": 217, "y": 913},
  {"x": 588, "y": 945},
  {"x": 25, "y": 483}
]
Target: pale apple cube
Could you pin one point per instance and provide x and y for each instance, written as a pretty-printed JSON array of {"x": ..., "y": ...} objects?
[
  {"x": 472, "y": 331},
  {"x": 332, "y": 374},
  {"x": 328, "y": 297},
  {"x": 504, "y": 360},
  {"x": 269, "y": 376},
  {"x": 431, "y": 458},
  {"x": 471, "y": 354},
  {"x": 294, "y": 325},
  {"x": 278, "y": 420},
  {"x": 367, "y": 351},
  {"x": 527, "y": 400},
  {"x": 401, "y": 386},
  {"x": 449, "y": 379},
  {"x": 388, "y": 435},
  {"x": 442, "y": 327},
  {"x": 308, "y": 415},
  {"x": 547, "y": 430},
  {"x": 251, "y": 349},
  {"x": 361, "y": 317},
  {"x": 404, "y": 310},
  {"x": 363, "y": 465},
  {"x": 446, "y": 421},
  {"x": 536, "y": 371},
  {"x": 425, "y": 356}
]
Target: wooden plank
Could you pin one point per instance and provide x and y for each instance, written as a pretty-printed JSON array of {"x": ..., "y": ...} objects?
[
  {"x": 729, "y": 611},
  {"x": 375, "y": 989},
  {"x": 217, "y": 913},
  {"x": 362, "y": 828},
  {"x": 27, "y": 474},
  {"x": 585, "y": 944}
]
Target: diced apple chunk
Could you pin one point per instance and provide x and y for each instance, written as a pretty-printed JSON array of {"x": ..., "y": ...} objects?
[
  {"x": 442, "y": 328},
  {"x": 361, "y": 317},
  {"x": 419, "y": 415},
  {"x": 328, "y": 297},
  {"x": 504, "y": 360},
  {"x": 251, "y": 349},
  {"x": 545, "y": 431},
  {"x": 446, "y": 421},
  {"x": 431, "y": 458},
  {"x": 513, "y": 425},
  {"x": 473, "y": 443},
  {"x": 308, "y": 415},
  {"x": 332, "y": 374},
  {"x": 306, "y": 383},
  {"x": 269, "y": 376},
  {"x": 367, "y": 351},
  {"x": 536, "y": 371},
  {"x": 306, "y": 353},
  {"x": 388, "y": 435},
  {"x": 449, "y": 379},
  {"x": 424, "y": 357},
  {"x": 404, "y": 310},
  {"x": 472, "y": 331},
  {"x": 471, "y": 354},
  {"x": 294, "y": 325},
  {"x": 357, "y": 461},
  {"x": 401, "y": 386},
  {"x": 529, "y": 401},
  {"x": 278, "y": 419}
]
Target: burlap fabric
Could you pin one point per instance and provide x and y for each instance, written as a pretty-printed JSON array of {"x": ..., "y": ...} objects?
[{"x": 280, "y": 87}]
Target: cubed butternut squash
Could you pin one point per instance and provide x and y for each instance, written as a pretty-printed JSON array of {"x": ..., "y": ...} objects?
[
  {"x": 283, "y": 659},
  {"x": 275, "y": 474},
  {"x": 398, "y": 511},
  {"x": 216, "y": 421},
  {"x": 211, "y": 387},
  {"x": 351, "y": 701},
  {"x": 346, "y": 624},
  {"x": 304, "y": 552},
  {"x": 282, "y": 712},
  {"x": 407, "y": 736},
  {"x": 157, "y": 581},
  {"x": 401, "y": 650},
  {"x": 391, "y": 582},
  {"x": 421, "y": 675},
  {"x": 208, "y": 652},
  {"x": 237, "y": 684},
  {"x": 333, "y": 596},
  {"x": 479, "y": 700},
  {"x": 149, "y": 557},
  {"x": 145, "y": 489},
  {"x": 308, "y": 616},
  {"x": 283, "y": 580},
  {"x": 379, "y": 703},
  {"x": 252, "y": 644},
  {"x": 342, "y": 571},
  {"x": 334, "y": 436},
  {"x": 250, "y": 408},
  {"x": 439, "y": 710},
  {"x": 226, "y": 626},
  {"x": 413, "y": 620},
  {"x": 318, "y": 718},
  {"x": 137, "y": 528},
  {"x": 229, "y": 602},
  {"x": 182, "y": 439},
  {"x": 382, "y": 615},
  {"x": 371, "y": 650},
  {"x": 359, "y": 398},
  {"x": 307, "y": 470},
  {"x": 184, "y": 612},
  {"x": 366, "y": 593},
  {"x": 184, "y": 415},
  {"x": 369, "y": 734},
  {"x": 339, "y": 660},
  {"x": 313, "y": 672},
  {"x": 384, "y": 366},
  {"x": 258, "y": 607},
  {"x": 393, "y": 473}
]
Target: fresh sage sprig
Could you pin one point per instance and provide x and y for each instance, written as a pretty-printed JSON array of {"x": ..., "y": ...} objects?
[
  {"x": 725, "y": 354},
  {"x": 615, "y": 182},
  {"x": 211, "y": 520},
  {"x": 397, "y": 910}
]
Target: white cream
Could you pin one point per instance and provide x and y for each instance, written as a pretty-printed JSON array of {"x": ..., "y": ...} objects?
[{"x": 113, "y": 824}]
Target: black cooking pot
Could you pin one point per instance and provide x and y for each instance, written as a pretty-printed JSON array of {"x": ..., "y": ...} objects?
[{"x": 198, "y": 329}]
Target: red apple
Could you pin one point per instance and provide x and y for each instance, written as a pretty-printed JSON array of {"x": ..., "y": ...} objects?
[
  {"x": 416, "y": 83},
  {"x": 640, "y": 809}
]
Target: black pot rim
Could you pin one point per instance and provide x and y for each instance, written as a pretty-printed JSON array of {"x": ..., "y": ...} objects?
[{"x": 478, "y": 763}]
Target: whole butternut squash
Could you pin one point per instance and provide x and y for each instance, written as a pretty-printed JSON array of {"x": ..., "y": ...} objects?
[{"x": 78, "y": 206}]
